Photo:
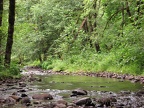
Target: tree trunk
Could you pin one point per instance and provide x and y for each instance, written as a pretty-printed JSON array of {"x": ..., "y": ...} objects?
[
  {"x": 1, "y": 13},
  {"x": 96, "y": 44},
  {"x": 10, "y": 33}
]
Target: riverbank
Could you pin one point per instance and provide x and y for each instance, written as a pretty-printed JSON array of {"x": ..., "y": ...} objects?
[{"x": 121, "y": 77}]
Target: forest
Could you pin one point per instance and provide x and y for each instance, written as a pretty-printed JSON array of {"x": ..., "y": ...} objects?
[{"x": 72, "y": 35}]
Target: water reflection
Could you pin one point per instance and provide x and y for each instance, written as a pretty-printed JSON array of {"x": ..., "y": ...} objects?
[{"x": 67, "y": 82}]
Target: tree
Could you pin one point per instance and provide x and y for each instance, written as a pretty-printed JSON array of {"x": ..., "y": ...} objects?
[
  {"x": 1, "y": 13},
  {"x": 10, "y": 33}
]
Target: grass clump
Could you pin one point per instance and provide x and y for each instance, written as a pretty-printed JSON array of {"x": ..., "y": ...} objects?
[{"x": 12, "y": 72}]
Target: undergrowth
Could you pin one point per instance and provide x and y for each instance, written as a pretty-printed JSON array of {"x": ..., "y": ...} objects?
[
  {"x": 12, "y": 72},
  {"x": 115, "y": 61}
]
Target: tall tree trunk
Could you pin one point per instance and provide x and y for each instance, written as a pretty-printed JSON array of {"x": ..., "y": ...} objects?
[
  {"x": 96, "y": 44},
  {"x": 10, "y": 33},
  {"x": 1, "y": 13}
]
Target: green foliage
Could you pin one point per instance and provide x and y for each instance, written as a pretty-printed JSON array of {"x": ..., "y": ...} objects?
[
  {"x": 35, "y": 63},
  {"x": 12, "y": 72},
  {"x": 55, "y": 35},
  {"x": 47, "y": 64}
]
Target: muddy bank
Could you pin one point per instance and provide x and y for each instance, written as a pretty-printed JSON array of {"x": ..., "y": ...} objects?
[{"x": 21, "y": 93}]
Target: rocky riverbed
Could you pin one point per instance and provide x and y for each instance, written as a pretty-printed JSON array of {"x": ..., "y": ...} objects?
[{"x": 21, "y": 93}]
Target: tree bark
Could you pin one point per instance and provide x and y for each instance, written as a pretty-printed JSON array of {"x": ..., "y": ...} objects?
[
  {"x": 96, "y": 44},
  {"x": 10, "y": 33},
  {"x": 1, "y": 13}
]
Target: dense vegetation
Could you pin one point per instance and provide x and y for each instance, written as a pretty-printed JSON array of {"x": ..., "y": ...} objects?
[{"x": 77, "y": 35}]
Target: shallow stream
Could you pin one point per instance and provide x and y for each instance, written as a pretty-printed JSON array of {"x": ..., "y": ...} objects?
[
  {"x": 61, "y": 87},
  {"x": 69, "y": 82}
]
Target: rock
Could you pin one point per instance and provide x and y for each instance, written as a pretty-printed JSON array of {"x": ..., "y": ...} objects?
[
  {"x": 2, "y": 100},
  {"x": 60, "y": 106},
  {"x": 140, "y": 93},
  {"x": 39, "y": 80},
  {"x": 3, "y": 89},
  {"x": 142, "y": 81},
  {"x": 22, "y": 90},
  {"x": 112, "y": 99},
  {"x": 14, "y": 93},
  {"x": 24, "y": 95},
  {"x": 25, "y": 100},
  {"x": 105, "y": 101},
  {"x": 125, "y": 92},
  {"x": 36, "y": 102},
  {"x": 17, "y": 98},
  {"x": 70, "y": 107},
  {"x": 79, "y": 92},
  {"x": 134, "y": 80},
  {"x": 9, "y": 84},
  {"x": 83, "y": 101},
  {"x": 48, "y": 105},
  {"x": 131, "y": 77},
  {"x": 10, "y": 101},
  {"x": 43, "y": 96},
  {"x": 22, "y": 84},
  {"x": 62, "y": 102}
]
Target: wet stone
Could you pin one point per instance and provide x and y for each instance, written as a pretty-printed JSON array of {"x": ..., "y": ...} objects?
[
  {"x": 36, "y": 102},
  {"x": 140, "y": 93},
  {"x": 62, "y": 102},
  {"x": 9, "y": 84},
  {"x": 2, "y": 100},
  {"x": 83, "y": 101},
  {"x": 17, "y": 98},
  {"x": 25, "y": 100},
  {"x": 10, "y": 101},
  {"x": 22, "y": 90},
  {"x": 43, "y": 96},
  {"x": 22, "y": 84},
  {"x": 60, "y": 105},
  {"x": 79, "y": 92}
]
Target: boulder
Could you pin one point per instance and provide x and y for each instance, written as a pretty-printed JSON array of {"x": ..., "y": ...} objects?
[
  {"x": 10, "y": 101},
  {"x": 79, "y": 92},
  {"x": 106, "y": 101},
  {"x": 36, "y": 102},
  {"x": 43, "y": 96},
  {"x": 24, "y": 95},
  {"x": 62, "y": 102},
  {"x": 17, "y": 98},
  {"x": 83, "y": 101},
  {"x": 25, "y": 100}
]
